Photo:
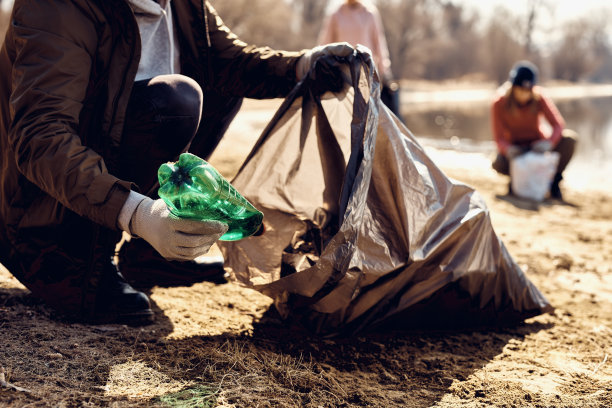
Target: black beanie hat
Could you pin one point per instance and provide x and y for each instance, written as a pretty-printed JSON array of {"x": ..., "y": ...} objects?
[{"x": 524, "y": 74}]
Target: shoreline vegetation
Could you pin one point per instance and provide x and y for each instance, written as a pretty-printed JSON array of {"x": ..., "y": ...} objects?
[
  {"x": 423, "y": 95},
  {"x": 457, "y": 91}
]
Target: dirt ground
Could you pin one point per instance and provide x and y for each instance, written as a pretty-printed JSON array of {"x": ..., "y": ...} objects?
[{"x": 215, "y": 345}]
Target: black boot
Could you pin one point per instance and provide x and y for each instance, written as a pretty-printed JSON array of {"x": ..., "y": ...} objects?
[
  {"x": 70, "y": 267},
  {"x": 108, "y": 298},
  {"x": 144, "y": 268},
  {"x": 555, "y": 190},
  {"x": 118, "y": 302}
]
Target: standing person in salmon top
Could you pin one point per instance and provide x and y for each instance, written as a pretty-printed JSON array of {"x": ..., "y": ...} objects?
[
  {"x": 95, "y": 96},
  {"x": 516, "y": 115},
  {"x": 359, "y": 22}
]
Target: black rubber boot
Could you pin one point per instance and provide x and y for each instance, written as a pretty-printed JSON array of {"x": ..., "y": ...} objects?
[
  {"x": 555, "y": 190},
  {"x": 144, "y": 268},
  {"x": 70, "y": 268},
  {"x": 118, "y": 302}
]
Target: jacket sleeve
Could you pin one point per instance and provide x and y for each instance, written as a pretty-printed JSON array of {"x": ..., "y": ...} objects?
[
  {"x": 382, "y": 49},
  {"x": 554, "y": 118},
  {"x": 247, "y": 70},
  {"x": 501, "y": 135},
  {"x": 53, "y": 53}
]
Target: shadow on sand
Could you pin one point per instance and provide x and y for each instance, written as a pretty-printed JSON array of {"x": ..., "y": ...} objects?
[
  {"x": 530, "y": 205},
  {"x": 386, "y": 368},
  {"x": 272, "y": 364}
]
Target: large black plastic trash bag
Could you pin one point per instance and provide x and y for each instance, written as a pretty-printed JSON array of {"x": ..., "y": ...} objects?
[{"x": 362, "y": 228}]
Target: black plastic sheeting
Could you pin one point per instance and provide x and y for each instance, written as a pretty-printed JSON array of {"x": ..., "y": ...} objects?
[{"x": 362, "y": 229}]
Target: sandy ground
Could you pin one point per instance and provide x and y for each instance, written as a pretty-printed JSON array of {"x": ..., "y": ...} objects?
[{"x": 219, "y": 347}]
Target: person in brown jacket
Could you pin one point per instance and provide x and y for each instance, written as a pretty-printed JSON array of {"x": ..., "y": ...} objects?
[{"x": 96, "y": 94}]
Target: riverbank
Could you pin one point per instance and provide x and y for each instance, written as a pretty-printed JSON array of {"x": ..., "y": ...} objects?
[
  {"x": 427, "y": 94},
  {"x": 589, "y": 170},
  {"x": 461, "y": 122}
]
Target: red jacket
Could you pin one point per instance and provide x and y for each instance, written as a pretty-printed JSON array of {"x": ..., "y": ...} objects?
[{"x": 521, "y": 125}]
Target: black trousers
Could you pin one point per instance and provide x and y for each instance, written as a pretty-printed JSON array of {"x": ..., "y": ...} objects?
[
  {"x": 66, "y": 264},
  {"x": 390, "y": 96},
  {"x": 565, "y": 148},
  {"x": 163, "y": 116}
]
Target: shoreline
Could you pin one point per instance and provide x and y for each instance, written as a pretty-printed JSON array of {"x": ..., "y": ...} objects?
[
  {"x": 464, "y": 154},
  {"x": 419, "y": 96}
]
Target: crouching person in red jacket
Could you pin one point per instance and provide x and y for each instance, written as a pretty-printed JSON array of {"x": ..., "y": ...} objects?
[{"x": 516, "y": 115}]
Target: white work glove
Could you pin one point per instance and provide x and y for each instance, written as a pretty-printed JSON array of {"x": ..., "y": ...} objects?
[
  {"x": 340, "y": 49},
  {"x": 542, "y": 146},
  {"x": 512, "y": 151},
  {"x": 173, "y": 237}
]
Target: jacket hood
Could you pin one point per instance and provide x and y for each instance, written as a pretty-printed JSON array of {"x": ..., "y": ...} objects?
[{"x": 146, "y": 7}]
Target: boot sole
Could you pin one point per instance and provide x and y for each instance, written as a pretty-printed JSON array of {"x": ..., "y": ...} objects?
[{"x": 137, "y": 318}]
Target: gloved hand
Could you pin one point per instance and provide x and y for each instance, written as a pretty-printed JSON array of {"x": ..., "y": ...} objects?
[
  {"x": 340, "y": 49},
  {"x": 542, "y": 146},
  {"x": 174, "y": 238},
  {"x": 512, "y": 151}
]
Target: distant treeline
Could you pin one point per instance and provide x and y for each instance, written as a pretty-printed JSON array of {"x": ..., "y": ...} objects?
[{"x": 437, "y": 39}]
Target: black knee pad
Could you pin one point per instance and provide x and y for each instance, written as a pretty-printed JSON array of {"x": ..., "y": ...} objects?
[{"x": 178, "y": 102}]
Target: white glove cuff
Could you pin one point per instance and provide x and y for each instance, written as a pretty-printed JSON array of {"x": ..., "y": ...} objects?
[
  {"x": 303, "y": 65},
  {"x": 128, "y": 209}
]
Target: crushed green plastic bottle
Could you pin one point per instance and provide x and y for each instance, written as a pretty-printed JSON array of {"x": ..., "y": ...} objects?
[{"x": 192, "y": 188}]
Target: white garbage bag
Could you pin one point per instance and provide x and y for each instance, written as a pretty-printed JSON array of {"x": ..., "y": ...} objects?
[{"x": 531, "y": 174}]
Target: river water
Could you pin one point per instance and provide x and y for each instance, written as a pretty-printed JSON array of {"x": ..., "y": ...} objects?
[{"x": 460, "y": 120}]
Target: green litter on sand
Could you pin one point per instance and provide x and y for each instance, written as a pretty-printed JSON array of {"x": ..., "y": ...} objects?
[{"x": 199, "y": 396}]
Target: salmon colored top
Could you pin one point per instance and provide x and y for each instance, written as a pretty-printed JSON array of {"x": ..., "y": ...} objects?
[
  {"x": 358, "y": 24},
  {"x": 522, "y": 125}
]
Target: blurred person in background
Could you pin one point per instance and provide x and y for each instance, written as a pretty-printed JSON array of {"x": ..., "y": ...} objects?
[
  {"x": 359, "y": 22},
  {"x": 96, "y": 95},
  {"x": 516, "y": 115}
]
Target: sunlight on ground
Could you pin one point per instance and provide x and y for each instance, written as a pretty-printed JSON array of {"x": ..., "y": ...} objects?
[
  {"x": 577, "y": 176},
  {"x": 581, "y": 176},
  {"x": 135, "y": 379},
  {"x": 7, "y": 280},
  {"x": 597, "y": 285},
  {"x": 455, "y": 160},
  {"x": 196, "y": 310}
]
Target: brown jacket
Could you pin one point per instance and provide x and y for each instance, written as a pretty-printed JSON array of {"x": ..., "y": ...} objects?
[{"x": 67, "y": 69}]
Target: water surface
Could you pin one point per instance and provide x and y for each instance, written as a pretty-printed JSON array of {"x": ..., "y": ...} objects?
[{"x": 465, "y": 124}]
